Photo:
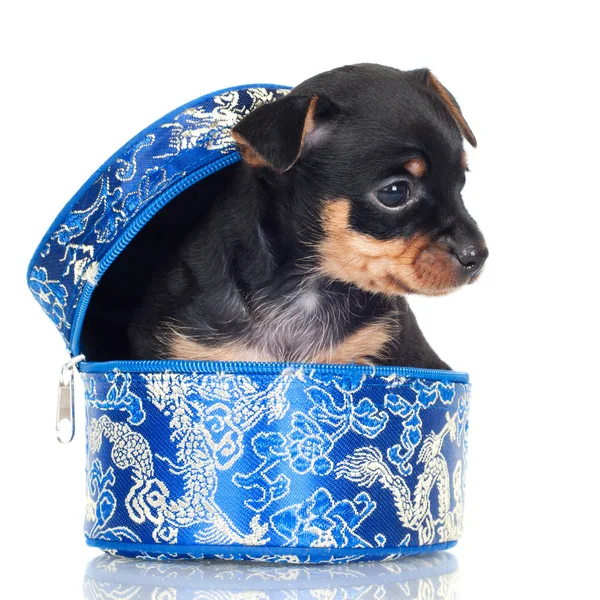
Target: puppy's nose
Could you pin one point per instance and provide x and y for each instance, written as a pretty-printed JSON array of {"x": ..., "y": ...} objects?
[{"x": 470, "y": 257}]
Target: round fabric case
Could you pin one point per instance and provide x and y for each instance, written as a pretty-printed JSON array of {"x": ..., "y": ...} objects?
[{"x": 264, "y": 461}]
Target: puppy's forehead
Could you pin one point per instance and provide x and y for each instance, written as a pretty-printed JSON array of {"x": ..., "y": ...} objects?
[
  {"x": 392, "y": 105},
  {"x": 408, "y": 114}
]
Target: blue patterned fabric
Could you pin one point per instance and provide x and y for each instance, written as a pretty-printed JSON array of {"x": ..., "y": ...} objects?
[
  {"x": 120, "y": 197},
  {"x": 302, "y": 462},
  {"x": 279, "y": 462}
]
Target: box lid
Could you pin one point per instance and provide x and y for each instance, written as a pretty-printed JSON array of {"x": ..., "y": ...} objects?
[{"x": 178, "y": 150}]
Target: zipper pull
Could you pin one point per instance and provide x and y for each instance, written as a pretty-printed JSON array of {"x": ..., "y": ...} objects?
[{"x": 65, "y": 410}]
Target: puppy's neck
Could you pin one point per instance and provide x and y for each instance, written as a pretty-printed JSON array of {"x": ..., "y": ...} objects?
[{"x": 273, "y": 305}]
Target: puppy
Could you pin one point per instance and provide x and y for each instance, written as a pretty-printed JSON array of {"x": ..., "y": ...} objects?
[{"x": 348, "y": 199}]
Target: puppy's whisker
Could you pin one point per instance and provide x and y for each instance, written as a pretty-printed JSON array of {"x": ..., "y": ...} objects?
[{"x": 334, "y": 276}]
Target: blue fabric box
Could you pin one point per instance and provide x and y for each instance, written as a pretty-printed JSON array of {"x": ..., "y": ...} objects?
[{"x": 296, "y": 462}]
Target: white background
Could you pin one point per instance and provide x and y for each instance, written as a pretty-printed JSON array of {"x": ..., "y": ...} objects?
[{"x": 78, "y": 80}]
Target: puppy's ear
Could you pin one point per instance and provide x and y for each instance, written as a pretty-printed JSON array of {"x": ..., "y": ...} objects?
[
  {"x": 274, "y": 134},
  {"x": 433, "y": 83}
]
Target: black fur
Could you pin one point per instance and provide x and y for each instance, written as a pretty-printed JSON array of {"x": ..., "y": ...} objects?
[{"x": 237, "y": 271}]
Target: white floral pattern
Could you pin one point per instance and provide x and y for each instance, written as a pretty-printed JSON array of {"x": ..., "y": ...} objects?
[{"x": 172, "y": 152}]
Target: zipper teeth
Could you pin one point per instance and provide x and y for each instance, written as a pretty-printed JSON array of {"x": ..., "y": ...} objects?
[
  {"x": 159, "y": 122},
  {"x": 189, "y": 366},
  {"x": 134, "y": 228}
]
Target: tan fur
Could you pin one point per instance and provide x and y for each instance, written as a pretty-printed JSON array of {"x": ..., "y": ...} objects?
[
  {"x": 184, "y": 348},
  {"x": 249, "y": 154},
  {"x": 463, "y": 160},
  {"x": 360, "y": 347},
  {"x": 452, "y": 107},
  {"x": 255, "y": 159},
  {"x": 309, "y": 121},
  {"x": 391, "y": 267},
  {"x": 416, "y": 167}
]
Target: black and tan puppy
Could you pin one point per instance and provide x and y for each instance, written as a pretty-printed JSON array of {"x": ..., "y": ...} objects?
[{"x": 347, "y": 200}]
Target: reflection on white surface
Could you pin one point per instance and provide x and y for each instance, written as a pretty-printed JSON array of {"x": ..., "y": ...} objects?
[{"x": 431, "y": 577}]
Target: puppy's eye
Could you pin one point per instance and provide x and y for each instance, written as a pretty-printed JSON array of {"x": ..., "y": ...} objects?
[{"x": 394, "y": 194}]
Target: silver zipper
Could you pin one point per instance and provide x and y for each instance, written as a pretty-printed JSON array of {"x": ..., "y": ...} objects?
[{"x": 65, "y": 409}]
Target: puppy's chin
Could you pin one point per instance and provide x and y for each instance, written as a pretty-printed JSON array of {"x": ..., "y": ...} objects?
[{"x": 393, "y": 267}]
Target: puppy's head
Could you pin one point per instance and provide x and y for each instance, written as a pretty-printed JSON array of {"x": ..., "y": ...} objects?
[{"x": 369, "y": 165}]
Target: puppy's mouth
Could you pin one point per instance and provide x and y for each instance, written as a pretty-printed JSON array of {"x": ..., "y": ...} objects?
[
  {"x": 437, "y": 271},
  {"x": 418, "y": 265}
]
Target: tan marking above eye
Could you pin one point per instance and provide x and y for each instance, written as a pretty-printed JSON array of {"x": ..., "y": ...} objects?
[
  {"x": 417, "y": 167},
  {"x": 463, "y": 160}
]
